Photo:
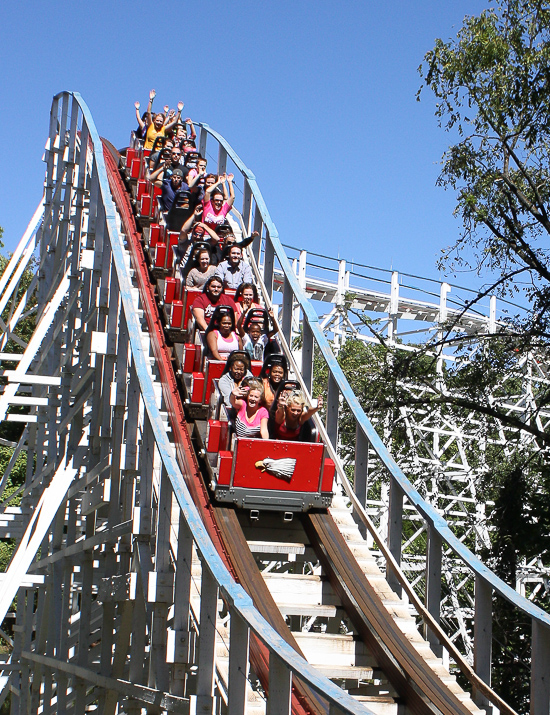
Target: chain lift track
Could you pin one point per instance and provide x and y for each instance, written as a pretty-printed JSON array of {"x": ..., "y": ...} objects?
[{"x": 125, "y": 573}]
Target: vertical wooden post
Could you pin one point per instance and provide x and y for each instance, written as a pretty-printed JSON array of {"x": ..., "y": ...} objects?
[
  {"x": 395, "y": 528},
  {"x": 307, "y": 355},
  {"x": 202, "y": 142},
  {"x": 394, "y": 307},
  {"x": 269, "y": 257},
  {"x": 182, "y": 599},
  {"x": 207, "y": 643},
  {"x": 257, "y": 243},
  {"x": 483, "y": 626},
  {"x": 540, "y": 669},
  {"x": 433, "y": 586},
  {"x": 163, "y": 596},
  {"x": 287, "y": 312},
  {"x": 222, "y": 160},
  {"x": 333, "y": 403},
  {"x": 238, "y": 664},
  {"x": 360, "y": 470},
  {"x": 280, "y": 685},
  {"x": 247, "y": 205}
]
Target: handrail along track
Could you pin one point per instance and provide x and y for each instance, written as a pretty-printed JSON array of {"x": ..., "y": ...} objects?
[
  {"x": 112, "y": 299},
  {"x": 248, "y": 574},
  {"x": 439, "y": 533},
  {"x": 177, "y": 470}
]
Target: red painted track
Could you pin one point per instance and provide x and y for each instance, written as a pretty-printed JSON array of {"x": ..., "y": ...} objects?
[{"x": 304, "y": 702}]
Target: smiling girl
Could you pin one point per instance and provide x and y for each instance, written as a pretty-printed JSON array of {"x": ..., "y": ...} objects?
[{"x": 251, "y": 420}]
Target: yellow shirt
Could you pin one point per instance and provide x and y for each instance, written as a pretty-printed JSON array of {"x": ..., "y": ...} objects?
[{"x": 152, "y": 134}]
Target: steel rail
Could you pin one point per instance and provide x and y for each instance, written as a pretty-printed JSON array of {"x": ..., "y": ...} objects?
[
  {"x": 487, "y": 582},
  {"x": 391, "y": 647},
  {"x": 239, "y": 555},
  {"x": 234, "y": 595},
  {"x": 355, "y": 264},
  {"x": 227, "y": 539}
]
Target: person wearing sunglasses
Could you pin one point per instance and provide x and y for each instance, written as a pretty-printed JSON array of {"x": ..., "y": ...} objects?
[{"x": 167, "y": 165}]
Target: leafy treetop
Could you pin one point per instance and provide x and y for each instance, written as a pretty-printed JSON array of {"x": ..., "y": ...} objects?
[{"x": 492, "y": 85}]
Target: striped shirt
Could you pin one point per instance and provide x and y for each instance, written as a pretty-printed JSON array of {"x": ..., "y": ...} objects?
[{"x": 250, "y": 430}]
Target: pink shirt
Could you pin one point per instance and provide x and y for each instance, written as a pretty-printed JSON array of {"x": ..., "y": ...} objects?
[
  {"x": 213, "y": 218},
  {"x": 244, "y": 428},
  {"x": 239, "y": 308}
]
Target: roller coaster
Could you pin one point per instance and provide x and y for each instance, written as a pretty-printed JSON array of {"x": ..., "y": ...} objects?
[{"x": 132, "y": 589}]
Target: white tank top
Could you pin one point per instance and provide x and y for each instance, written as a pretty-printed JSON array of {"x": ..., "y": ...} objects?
[{"x": 226, "y": 345}]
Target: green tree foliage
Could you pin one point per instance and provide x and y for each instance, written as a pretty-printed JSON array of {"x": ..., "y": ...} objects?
[
  {"x": 513, "y": 482},
  {"x": 492, "y": 89},
  {"x": 11, "y": 431},
  {"x": 25, "y": 326},
  {"x": 492, "y": 85},
  {"x": 15, "y": 480},
  {"x": 21, "y": 335},
  {"x": 521, "y": 520}
]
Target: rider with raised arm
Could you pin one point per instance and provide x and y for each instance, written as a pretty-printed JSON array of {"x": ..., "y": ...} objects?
[
  {"x": 252, "y": 418},
  {"x": 291, "y": 414},
  {"x": 216, "y": 207},
  {"x": 156, "y": 124}
]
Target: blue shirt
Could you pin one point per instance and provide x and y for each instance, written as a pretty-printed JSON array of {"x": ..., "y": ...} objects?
[
  {"x": 231, "y": 276},
  {"x": 169, "y": 195}
]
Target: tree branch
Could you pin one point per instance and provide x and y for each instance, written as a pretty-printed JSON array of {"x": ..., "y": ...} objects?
[{"x": 506, "y": 419}]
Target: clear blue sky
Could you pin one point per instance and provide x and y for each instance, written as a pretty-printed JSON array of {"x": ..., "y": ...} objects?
[{"x": 318, "y": 98}]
